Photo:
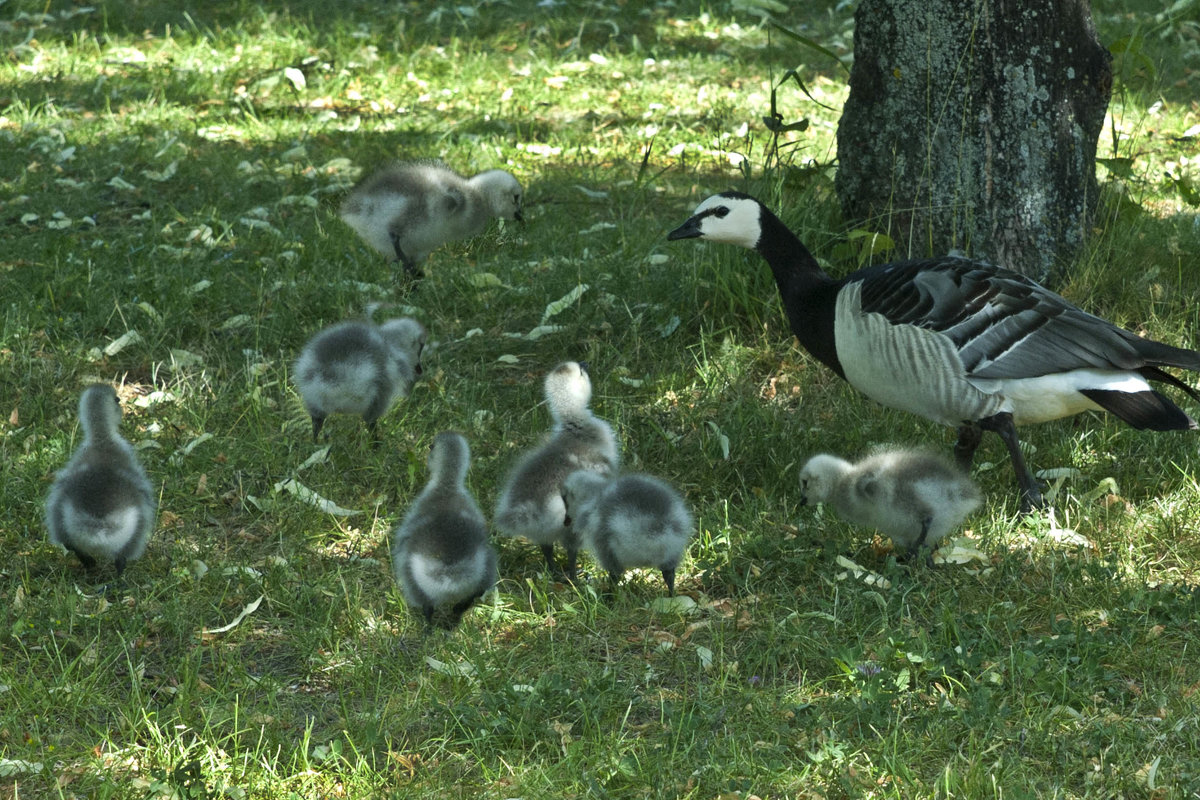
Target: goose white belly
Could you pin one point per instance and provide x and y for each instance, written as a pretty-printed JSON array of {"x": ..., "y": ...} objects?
[
  {"x": 447, "y": 582},
  {"x": 1049, "y": 397},
  {"x": 906, "y": 367},
  {"x": 101, "y": 536},
  {"x": 371, "y": 217}
]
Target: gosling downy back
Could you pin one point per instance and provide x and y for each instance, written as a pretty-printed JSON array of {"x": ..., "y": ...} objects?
[
  {"x": 357, "y": 367},
  {"x": 633, "y": 520},
  {"x": 101, "y": 505},
  {"x": 913, "y": 496},
  {"x": 440, "y": 552},
  {"x": 406, "y": 211},
  {"x": 531, "y": 504}
]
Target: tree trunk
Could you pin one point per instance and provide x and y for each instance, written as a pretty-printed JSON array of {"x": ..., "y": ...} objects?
[{"x": 972, "y": 126}]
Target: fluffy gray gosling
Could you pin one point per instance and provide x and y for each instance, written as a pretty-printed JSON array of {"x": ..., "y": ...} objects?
[
  {"x": 406, "y": 211},
  {"x": 440, "y": 552},
  {"x": 531, "y": 505},
  {"x": 630, "y": 521},
  {"x": 358, "y": 367},
  {"x": 912, "y": 496},
  {"x": 101, "y": 505}
]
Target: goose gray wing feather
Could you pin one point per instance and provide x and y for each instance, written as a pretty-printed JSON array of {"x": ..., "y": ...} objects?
[{"x": 1003, "y": 324}]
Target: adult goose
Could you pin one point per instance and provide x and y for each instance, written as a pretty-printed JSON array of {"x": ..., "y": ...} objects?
[{"x": 956, "y": 341}]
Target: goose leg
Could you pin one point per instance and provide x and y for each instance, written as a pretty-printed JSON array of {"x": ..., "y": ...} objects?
[
  {"x": 318, "y": 423},
  {"x": 919, "y": 544},
  {"x": 88, "y": 562},
  {"x": 572, "y": 561},
  {"x": 1031, "y": 491},
  {"x": 668, "y": 574},
  {"x": 456, "y": 613},
  {"x": 969, "y": 437},
  {"x": 548, "y": 553}
]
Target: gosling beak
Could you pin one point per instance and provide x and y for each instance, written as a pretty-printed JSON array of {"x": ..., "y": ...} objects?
[{"x": 688, "y": 230}]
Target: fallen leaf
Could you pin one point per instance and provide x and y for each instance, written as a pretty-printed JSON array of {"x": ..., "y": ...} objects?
[
  {"x": 297, "y": 489},
  {"x": 247, "y": 611},
  {"x": 563, "y": 303}
]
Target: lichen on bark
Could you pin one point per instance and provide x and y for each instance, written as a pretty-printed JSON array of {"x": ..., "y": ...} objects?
[{"x": 972, "y": 126}]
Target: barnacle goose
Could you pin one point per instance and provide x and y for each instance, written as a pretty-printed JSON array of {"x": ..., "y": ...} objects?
[
  {"x": 531, "y": 505},
  {"x": 912, "y": 496},
  {"x": 408, "y": 210},
  {"x": 101, "y": 504},
  {"x": 633, "y": 520},
  {"x": 440, "y": 552},
  {"x": 956, "y": 341},
  {"x": 357, "y": 367}
]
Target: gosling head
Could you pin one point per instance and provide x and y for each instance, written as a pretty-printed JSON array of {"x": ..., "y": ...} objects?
[
  {"x": 730, "y": 217},
  {"x": 408, "y": 337},
  {"x": 568, "y": 390},
  {"x": 99, "y": 411},
  {"x": 818, "y": 477},
  {"x": 503, "y": 193}
]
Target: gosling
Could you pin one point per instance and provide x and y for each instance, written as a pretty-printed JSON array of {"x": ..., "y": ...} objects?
[
  {"x": 531, "y": 505},
  {"x": 407, "y": 211},
  {"x": 630, "y": 521},
  {"x": 101, "y": 505},
  {"x": 440, "y": 552},
  {"x": 357, "y": 367},
  {"x": 912, "y": 496}
]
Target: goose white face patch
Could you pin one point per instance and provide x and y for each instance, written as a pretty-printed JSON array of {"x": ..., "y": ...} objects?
[{"x": 732, "y": 220}]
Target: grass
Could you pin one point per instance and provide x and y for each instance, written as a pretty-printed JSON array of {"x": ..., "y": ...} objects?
[{"x": 163, "y": 171}]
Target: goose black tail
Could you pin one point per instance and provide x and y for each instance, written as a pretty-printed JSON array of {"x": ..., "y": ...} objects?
[
  {"x": 1147, "y": 410},
  {"x": 1156, "y": 374}
]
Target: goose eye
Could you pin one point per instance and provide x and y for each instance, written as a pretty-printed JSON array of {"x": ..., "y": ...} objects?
[{"x": 721, "y": 212}]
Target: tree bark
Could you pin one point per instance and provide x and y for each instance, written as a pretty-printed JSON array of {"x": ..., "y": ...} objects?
[{"x": 972, "y": 126}]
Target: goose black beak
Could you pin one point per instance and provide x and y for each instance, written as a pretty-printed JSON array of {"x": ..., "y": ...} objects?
[{"x": 688, "y": 230}]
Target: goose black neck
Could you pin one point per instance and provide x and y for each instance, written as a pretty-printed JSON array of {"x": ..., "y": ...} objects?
[
  {"x": 809, "y": 295},
  {"x": 796, "y": 270}
]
